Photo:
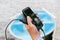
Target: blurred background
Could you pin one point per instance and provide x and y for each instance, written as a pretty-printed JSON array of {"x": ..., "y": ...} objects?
[{"x": 10, "y": 8}]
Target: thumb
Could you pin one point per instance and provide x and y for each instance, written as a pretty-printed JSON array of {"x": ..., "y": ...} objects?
[{"x": 29, "y": 20}]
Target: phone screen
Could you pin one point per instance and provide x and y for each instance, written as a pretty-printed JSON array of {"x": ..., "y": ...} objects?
[{"x": 27, "y": 11}]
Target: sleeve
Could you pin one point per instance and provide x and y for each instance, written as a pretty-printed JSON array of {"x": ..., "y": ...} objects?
[{"x": 39, "y": 38}]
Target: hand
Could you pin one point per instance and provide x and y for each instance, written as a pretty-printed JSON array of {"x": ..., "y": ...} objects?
[{"x": 32, "y": 29}]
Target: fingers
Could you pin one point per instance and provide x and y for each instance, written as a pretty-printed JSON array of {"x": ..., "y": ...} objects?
[
  {"x": 36, "y": 15},
  {"x": 29, "y": 20}
]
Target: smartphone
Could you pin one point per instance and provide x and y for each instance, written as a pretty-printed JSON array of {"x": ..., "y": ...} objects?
[
  {"x": 35, "y": 20},
  {"x": 27, "y": 11}
]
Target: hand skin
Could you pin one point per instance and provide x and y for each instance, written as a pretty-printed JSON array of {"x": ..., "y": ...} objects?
[{"x": 34, "y": 33}]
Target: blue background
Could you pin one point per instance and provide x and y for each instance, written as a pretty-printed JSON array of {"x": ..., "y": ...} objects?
[{"x": 19, "y": 30}]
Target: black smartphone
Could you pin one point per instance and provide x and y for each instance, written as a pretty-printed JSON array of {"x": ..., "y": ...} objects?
[
  {"x": 27, "y": 12},
  {"x": 35, "y": 20}
]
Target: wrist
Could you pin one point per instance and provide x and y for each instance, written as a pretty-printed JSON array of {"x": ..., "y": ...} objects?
[
  {"x": 34, "y": 37},
  {"x": 37, "y": 37}
]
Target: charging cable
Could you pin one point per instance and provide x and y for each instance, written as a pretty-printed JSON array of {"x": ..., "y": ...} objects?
[{"x": 11, "y": 22}]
